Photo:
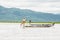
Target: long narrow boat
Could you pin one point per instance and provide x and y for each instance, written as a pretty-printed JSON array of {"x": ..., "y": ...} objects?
[{"x": 40, "y": 25}]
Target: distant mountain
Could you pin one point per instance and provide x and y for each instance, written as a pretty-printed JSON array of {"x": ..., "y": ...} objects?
[{"x": 16, "y": 14}]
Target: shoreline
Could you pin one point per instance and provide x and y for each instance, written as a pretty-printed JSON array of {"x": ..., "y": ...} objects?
[{"x": 26, "y": 22}]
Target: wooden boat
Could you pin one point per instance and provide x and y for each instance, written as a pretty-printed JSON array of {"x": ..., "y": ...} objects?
[{"x": 40, "y": 25}]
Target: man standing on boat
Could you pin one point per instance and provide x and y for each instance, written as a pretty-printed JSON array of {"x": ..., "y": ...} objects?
[{"x": 23, "y": 21}]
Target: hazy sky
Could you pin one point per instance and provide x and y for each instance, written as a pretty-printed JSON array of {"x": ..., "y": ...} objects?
[{"x": 52, "y": 6}]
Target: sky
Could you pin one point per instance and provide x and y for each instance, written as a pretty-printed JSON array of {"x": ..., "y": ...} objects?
[{"x": 50, "y": 6}]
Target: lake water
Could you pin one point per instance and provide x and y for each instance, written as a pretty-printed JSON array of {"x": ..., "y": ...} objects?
[{"x": 13, "y": 31}]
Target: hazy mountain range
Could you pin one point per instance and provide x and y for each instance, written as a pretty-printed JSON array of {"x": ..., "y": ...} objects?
[{"x": 16, "y": 14}]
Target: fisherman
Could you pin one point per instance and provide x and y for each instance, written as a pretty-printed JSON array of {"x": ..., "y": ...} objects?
[
  {"x": 29, "y": 21},
  {"x": 23, "y": 21}
]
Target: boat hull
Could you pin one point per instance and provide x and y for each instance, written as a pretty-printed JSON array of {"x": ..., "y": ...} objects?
[{"x": 40, "y": 25}]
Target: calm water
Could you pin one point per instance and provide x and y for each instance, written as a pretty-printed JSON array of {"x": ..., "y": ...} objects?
[{"x": 13, "y": 31}]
